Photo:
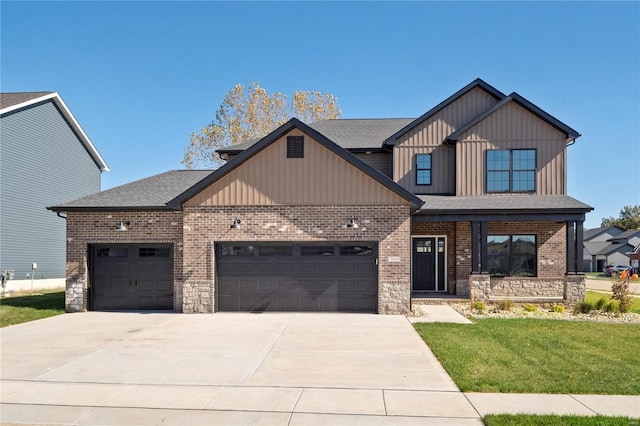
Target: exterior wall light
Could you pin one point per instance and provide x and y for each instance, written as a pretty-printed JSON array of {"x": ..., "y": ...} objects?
[
  {"x": 352, "y": 224},
  {"x": 123, "y": 226},
  {"x": 236, "y": 224}
]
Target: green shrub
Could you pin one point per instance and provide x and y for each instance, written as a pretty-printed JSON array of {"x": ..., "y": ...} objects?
[
  {"x": 621, "y": 293},
  {"x": 558, "y": 308},
  {"x": 610, "y": 307},
  {"x": 505, "y": 305},
  {"x": 583, "y": 307},
  {"x": 479, "y": 307},
  {"x": 600, "y": 304},
  {"x": 530, "y": 308}
]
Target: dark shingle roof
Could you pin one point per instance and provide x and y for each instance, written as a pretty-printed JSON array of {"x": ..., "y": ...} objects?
[
  {"x": 10, "y": 99},
  {"x": 352, "y": 134},
  {"x": 590, "y": 233},
  {"x": 500, "y": 202},
  {"x": 150, "y": 193}
]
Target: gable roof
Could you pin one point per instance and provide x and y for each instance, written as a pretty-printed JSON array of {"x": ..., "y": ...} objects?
[
  {"x": 319, "y": 138},
  {"x": 13, "y": 102},
  {"x": 570, "y": 133},
  {"x": 354, "y": 134},
  {"x": 629, "y": 233},
  {"x": 152, "y": 193},
  {"x": 390, "y": 141},
  {"x": 594, "y": 232}
]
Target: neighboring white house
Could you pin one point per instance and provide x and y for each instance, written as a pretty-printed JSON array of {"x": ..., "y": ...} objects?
[{"x": 45, "y": 158}]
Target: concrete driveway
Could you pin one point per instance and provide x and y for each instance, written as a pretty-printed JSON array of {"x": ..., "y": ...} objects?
[{"x": 286, "y": 369}]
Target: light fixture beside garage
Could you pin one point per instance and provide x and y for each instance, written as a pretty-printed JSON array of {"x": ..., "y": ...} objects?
[
  {"x": 123, "y": 226},
  {"x": 236, "y": 224},
  {"x": 352, "y": 224}
]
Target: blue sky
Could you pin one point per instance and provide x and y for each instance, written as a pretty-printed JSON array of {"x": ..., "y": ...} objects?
[{"x": 140, "y": 77}]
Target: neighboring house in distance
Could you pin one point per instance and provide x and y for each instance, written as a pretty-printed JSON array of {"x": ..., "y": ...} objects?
[
  {"x": 596, "y": 241},
  {"x": 469, "y": 200},
  {"x": 634, "y": 258},
  {"x": 45, "y": 158}
]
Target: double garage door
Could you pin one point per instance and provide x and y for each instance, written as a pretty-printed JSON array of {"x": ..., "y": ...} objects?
[
  {"x": 131, "y": 277},
  {"x": 335, "y": 277}
]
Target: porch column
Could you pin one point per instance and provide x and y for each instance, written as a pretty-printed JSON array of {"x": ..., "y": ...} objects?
[
  {"x": 474, "y": 248},
  {"x": 579, "y": 247},
  {"x": 484, "y": 262},
  {"x": 571, "y": 248}
]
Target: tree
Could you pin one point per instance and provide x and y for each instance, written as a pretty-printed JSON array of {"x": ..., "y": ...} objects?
[
  {"x": 629, "y": 218},
  {"x": 250, "y": 114}
]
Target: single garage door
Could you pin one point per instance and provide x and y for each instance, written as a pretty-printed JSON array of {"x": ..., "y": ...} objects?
[
  {"x": 131, "y": 277},
  {"x": 335, "y": 277}
]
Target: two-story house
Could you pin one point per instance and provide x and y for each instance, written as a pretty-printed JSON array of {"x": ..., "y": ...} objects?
[
  {"x": 468, "y": 200},
  {"x": 45, "y": 158}
]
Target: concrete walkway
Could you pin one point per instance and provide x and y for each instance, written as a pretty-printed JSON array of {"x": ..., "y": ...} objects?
[
  {"x": 278, "y": 369},
  {"x": 602, "y": 285}
]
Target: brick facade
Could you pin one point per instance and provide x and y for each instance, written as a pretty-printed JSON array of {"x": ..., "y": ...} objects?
[
  {"x": 86, "y": 228},
  {"x": 389, "y": 226},
  {"x": 194, "y": 232}
]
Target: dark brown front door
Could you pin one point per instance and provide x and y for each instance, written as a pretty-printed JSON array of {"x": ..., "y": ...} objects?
[{"x": 428, "y": 261}]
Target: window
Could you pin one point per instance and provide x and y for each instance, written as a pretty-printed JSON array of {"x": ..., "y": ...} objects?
[
  {"x": 316, "y": 250},
  {"x": 359, "y": 250},
  {"x": 275, "y": 250},
  {"x": 237, "y": 250},
  {"x": 511, "y": 170},
  {"x": 423, "y": 169},
  {"x": 112, "y": 252},
  {"x": 154, "y": 252},
  {"x": 295, "y": 146},
  {"x": 512, "y": 255}
]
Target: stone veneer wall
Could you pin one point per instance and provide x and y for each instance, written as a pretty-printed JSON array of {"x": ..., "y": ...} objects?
[
  {"x": 85, "y": 228},
  {"x": 387, "y": 225}
]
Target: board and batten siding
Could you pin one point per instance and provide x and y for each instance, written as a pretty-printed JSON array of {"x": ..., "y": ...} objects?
[
  {"x": 320, "y": 178},
  {"x": 512, "y": 127},
  {"x": 428, "y": 138},
  {"x": 42, "y": 163},
  {"x": 381, "y": 161}
]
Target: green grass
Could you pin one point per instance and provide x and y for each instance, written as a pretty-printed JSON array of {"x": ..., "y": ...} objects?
[
  {"x": 593, "y": 296},
  {"x": 538, "y": 356},
  {"x": 531, "y": 420},
  {"x": 30, "y": 307}
]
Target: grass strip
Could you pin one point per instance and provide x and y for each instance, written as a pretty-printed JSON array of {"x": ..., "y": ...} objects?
[
  {"x": 20, "y": 309},
  {"x": 536, "y": 420},
  {"x": 538, "y": 356}
]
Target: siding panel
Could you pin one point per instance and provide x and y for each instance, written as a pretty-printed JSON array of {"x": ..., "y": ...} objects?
[
  {"x": 512, "y": 127},
  {"x": 320, "y": 178},
  {"x": 428, "y": 138},
  {"x": 42, "y": 163}
]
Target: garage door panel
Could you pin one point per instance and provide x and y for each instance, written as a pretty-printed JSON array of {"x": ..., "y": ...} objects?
[
  {"x": 306, "y": 279},
  {"x": 124, "y": 277}
]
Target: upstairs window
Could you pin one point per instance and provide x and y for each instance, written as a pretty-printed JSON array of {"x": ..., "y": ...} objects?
[
  {"x": 511, "y": 170},
  {"x": 295, "y": 146},
  {"x": 423, "y": 169}
]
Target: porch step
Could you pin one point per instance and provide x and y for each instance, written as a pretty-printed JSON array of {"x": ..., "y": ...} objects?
[{"x": 438, "y": 299}]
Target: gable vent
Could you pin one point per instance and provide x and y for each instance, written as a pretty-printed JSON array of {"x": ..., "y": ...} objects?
[{"x": 295, "y": 146}]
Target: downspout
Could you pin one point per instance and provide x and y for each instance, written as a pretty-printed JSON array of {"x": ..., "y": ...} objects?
[{"x": 62, "y": 215}]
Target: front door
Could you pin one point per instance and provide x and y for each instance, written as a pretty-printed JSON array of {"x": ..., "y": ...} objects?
[{"x": 428, "y": 260}]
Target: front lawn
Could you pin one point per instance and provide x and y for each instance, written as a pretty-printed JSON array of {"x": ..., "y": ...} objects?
[
  {"x": 531, "y": 420},
  {"x": 538, "y": 356},
  {"x": 30, "y": 307}
]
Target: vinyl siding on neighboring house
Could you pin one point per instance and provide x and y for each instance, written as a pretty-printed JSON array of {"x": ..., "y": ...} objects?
[
  {"x": 512, "y": 127},
  {"x": 320, "y": 178},
  {"x": 42, "y": 163},
  {"x": 428, "y": 137}
]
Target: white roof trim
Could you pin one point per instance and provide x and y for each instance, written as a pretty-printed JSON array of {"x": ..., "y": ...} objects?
[{"x": 55, "y": 97}]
